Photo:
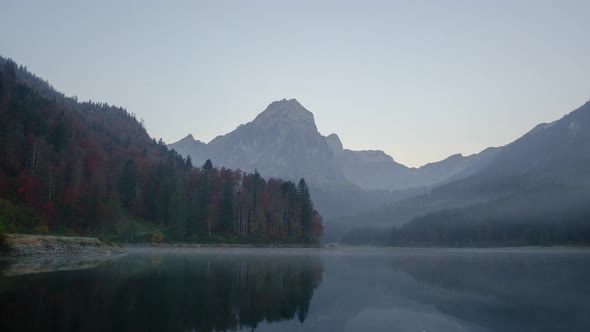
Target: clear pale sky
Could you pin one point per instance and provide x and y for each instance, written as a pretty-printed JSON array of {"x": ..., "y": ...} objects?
[{"x": 420, "y": 80}]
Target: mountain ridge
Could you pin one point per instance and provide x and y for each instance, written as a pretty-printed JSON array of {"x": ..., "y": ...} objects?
[
  {"x": 288, "y": 116},
  {"x": 283, "y": 141}
]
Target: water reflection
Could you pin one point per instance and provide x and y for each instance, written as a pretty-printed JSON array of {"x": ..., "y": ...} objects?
[
  {"x": 504, "y": 290},
  {"x": 308, "y": 290},
  {"x": 160, "y": 291}
]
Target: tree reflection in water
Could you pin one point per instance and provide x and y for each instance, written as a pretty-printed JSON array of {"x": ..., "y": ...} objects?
[{"x": 164, "y": 291}]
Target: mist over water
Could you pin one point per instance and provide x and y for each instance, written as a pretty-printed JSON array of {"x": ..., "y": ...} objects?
[{"x": 306, "y": 289}]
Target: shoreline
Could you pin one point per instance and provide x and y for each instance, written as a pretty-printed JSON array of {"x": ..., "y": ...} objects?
[
  {"x": 222, "y": 245},
  {"x": 26, "y": 245},
  {"x": 23, "y": 245}
]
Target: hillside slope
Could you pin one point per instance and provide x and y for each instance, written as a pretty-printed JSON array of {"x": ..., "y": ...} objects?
[{"x": 550, "y": 162}]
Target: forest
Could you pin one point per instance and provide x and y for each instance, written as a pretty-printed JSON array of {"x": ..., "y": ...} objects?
[{"x": 87, "y": 168}]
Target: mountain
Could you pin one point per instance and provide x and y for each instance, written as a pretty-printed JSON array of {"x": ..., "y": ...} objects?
[
  {"x": 369, "y": 169},
  {"x": 547, "y": 169},
  {"x": 283, "y": 141},
  {"x": 375, "y": 170},
  {"x": 558, "y": 149},
  {"x": 369, "y": 189},
  {"x": 188, "y": 143}
]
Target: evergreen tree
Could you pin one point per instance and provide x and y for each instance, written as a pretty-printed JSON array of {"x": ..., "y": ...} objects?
[
  {"x": 306, "y": 208},
  {"x": 194, "y": 213},
  {"x": 207, "y": 166},
  {"x": 188, "y": 163},
  {"x": 205, "y": 197},
  {"x": 227, "y": 207},
  {"x": 8, "y": 76},
  {"x": 178, "y": 212}
]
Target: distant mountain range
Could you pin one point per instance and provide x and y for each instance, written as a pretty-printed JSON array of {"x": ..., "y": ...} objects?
[
  {"x": 283, "y": 141},
  {"x": 375, "y": 170}
]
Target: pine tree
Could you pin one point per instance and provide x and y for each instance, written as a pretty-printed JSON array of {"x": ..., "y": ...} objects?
[
  {"x": 205, "y": 197},
  {"x": 8, "y": 75},
  {"x": 207, "y": 166},
  {"x": 178, "y": 211},
  {"x": 306, "y": 208},
  {"x": 188, "y": 163},
  {"x": 227, "y": 207}
]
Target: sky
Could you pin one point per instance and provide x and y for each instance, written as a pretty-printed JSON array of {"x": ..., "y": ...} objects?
[{"x": 421, "y": 80}]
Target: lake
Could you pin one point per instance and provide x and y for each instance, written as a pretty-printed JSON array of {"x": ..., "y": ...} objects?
[{"x": 356, "y": 289}]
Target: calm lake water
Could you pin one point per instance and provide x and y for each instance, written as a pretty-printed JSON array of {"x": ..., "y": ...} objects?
[{"x": 301, "y": 290}]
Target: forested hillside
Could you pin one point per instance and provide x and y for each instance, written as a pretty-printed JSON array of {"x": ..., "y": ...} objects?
[
  {"x": 548, "y": 214},
  {"x": 89, "y": 168},
  {"x": 536, "y": 190},
  {"x": 543, "y": 211}
]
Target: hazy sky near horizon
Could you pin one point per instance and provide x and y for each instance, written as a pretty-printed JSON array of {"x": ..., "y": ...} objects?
[{"x": 420, "y": 80}]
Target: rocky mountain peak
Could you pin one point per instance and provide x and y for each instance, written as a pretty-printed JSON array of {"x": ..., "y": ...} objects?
[
  {"x": 188, "y": 143},
  {"x": 334, "y": 143},
  {"x": 286, "y": 112}
]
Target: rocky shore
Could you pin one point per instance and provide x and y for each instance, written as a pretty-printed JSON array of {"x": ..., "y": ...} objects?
[{"x": 32, "y": 245}]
